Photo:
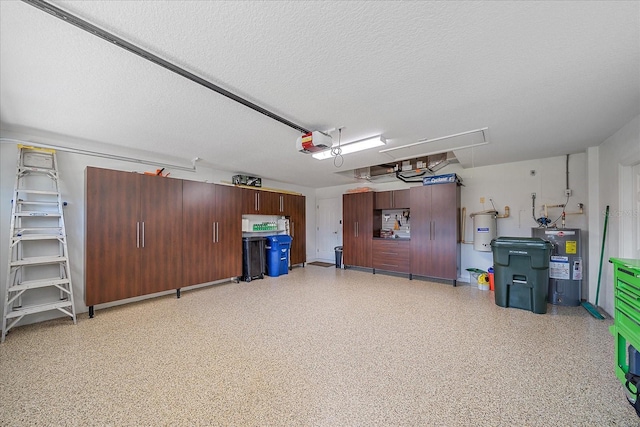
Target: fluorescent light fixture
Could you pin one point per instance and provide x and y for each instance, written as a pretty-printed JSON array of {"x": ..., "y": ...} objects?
[
  {"x": 428, "y": 147},
  {"x": 352, "y": 147}
]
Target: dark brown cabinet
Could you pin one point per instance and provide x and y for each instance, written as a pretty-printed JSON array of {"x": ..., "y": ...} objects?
[
  {"x": 357, "y": 228},
  {"x": 260, "y": 202},
  {"x": 435, "y": 231},
  {"x": 161, "y": 216},
  {"x": 295, "y": 209},
  {"x": 229, "y": 231},
  {"x": 212, "y": 235},
  {"x": 395, "y": 199},
  {"x": 391, "y": 255},
  {"x": 146, "y": 234},
  {"x": 133, "y": 235}
]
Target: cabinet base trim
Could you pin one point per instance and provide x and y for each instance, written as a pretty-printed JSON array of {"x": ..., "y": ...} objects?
[{"x": 436, "y": 279}]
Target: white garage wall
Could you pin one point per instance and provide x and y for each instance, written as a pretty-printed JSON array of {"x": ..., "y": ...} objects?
[
  {"x": 620, "y": 150},
  {"x": 71, "y": 167},
  {"x": 511, "y": 185}
]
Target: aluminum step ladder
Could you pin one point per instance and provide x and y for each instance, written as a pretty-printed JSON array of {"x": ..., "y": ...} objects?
[{"x": 38, "y": 273}]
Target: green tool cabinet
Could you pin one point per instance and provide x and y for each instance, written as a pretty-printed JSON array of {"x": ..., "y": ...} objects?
[{"x": 626, "y": 326}]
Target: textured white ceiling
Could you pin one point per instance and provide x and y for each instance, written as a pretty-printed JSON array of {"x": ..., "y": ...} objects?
[{"x": 547, "y": 78}]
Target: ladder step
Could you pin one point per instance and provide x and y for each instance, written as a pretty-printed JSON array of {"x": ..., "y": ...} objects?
[
  {"x": 24, "y": 169},
  {"x": 33, "y": 284},
  {"x": 27, "y": 191},
  {"x": 34, "y": 202},
  {"x": 39, "y": 260},
  {"x": 38, "y": 237},
  {"x": 23, "y": 311},
  {"x": 53, "y": 229},
  {"x": 38, "y": 214}
]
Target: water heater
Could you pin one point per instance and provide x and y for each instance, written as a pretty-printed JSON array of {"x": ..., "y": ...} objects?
[
  {"x": 565, "y": 264},
  {"x": 484, "y": 230}
]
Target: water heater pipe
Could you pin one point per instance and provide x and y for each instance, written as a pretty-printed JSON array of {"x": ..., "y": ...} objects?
[
  {"x": 579, "y": 212},
  {"x": 463, "y": 220},
  {"x": 506, "y": 213}
]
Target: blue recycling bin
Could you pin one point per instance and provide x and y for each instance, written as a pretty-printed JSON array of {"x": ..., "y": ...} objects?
[{"x": 277, "y": 254}]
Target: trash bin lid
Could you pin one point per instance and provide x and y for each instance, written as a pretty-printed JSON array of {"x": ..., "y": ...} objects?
[
  {"x": 520, "y": 242},
  {"x": 337, "y": 248},
  {"x": 279, "y": 239}
]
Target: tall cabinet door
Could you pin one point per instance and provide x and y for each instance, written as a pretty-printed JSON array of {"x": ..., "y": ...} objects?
[
  {"x": 199, "y": 232},
  {"x": 445, "y": 215},
  {"x": 421, "y": 236},
  {"x": 161, "y": 234},
  {"x": 435, "y": 232},
  {"x": 295, "y": 208},
  {"x": 112, "y": 255},
  {"x": 357, "y": 228},
  {"x": 349, "y": 232},
  {"x": 228, "y": 232}
]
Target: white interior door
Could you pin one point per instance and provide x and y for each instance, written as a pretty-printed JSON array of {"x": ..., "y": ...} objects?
[
  {"x": 629, "y": 214},
  {"x": 635, "y": 213},
  {"x": 328, "y": 228}
]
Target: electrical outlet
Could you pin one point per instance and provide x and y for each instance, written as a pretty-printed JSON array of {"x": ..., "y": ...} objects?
[
  {"x": 567, "y": 192},
  {"x": 481, "y": 199},
  {"x": 533, "y": 194}
]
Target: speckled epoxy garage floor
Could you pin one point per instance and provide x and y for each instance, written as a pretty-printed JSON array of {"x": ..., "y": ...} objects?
[{"x": 316, "y": 347}]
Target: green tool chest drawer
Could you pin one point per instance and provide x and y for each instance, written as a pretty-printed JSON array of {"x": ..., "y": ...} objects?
[{"x": 626, "y": 326}]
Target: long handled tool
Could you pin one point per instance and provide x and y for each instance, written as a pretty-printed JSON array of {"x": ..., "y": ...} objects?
[{"x": 590, "y": 308}]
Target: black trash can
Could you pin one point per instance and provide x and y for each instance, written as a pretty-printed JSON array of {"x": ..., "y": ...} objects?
[
  {"x": 521, "y": 267},
  {"x": 338, "y": 250},
  {"x": 252, "y": 258}
]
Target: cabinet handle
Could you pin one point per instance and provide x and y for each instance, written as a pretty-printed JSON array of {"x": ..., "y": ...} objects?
[
  {"x": 217, "y": 233},
  {"x": 138, "y": 234},
  {"x": 213, "y": 232},
  {"x": 257, "y": 201},
  {"x": 143, "y": 234}
]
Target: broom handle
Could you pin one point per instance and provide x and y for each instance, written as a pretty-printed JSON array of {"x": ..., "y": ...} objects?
[{"x": 604, "y": 236}]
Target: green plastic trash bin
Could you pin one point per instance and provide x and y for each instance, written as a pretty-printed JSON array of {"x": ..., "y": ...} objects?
[{"x": 521, "y": 268}]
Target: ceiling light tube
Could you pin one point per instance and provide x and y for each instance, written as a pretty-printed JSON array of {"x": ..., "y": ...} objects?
[
  {"x": 424, "y": 141},
  {"x": 431, "y": 153},
  {"x": 351, "y": 147}
]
